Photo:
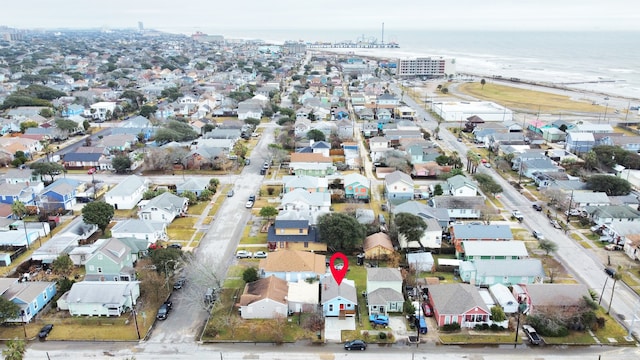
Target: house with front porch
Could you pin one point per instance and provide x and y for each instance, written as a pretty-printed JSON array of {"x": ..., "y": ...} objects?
[
  {"x": 30, "y": 296},
  {"x": 311, "y": 164},
  {"x": 338, "y": 300},
  {"x": 111, "y": 262},
  {"x": 460, "y": 185},
  {"x": 150, "y": 231},
  {"x": 458, "y": 303},
  {"x": 356, "y": 186},
  {"x": 384, "y": 290},
  {"x": 478, "y": 232},
  {"x": 264, "y": 298},
  {"x": 164, "y": 207},
  {"x": 505, "y": 272},
  {"x": 127, "y": 193},
  {"x": 308, "y": 183},
  {"x": 310, "y": 205},
  {"x": 398, "y": 187},
  {"x": 100, "y": 298},
  {"x": 61, "y": 194},
  {"x": 459, "y": 207},
  {"x": 294, "y": 235},
  {"x": 293, "y": 265}
]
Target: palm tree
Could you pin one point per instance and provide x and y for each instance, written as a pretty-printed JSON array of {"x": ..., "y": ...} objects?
[
  {"x": 616, "y": 276},
  {"x": 483, "y": 82}
]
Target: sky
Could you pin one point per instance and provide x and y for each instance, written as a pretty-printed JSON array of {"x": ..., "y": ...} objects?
[{"x": 324, "y": 14}]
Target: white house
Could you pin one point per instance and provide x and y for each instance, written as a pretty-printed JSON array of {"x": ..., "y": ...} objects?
[
  {"x": 264, "y": 299},
  {"x": 310, "y": 205},
  {"x": 127, "y": 193},
  {"x": 151, "y": 231},
  {"x": 164, "y": 207},
  {"x": 99, "y": 110},
  {"x": 461, "y": 185},
  {"x": 100, "y": 298}
]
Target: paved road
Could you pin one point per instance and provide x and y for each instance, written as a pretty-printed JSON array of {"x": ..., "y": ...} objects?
[{"x": 582, "y": 263}]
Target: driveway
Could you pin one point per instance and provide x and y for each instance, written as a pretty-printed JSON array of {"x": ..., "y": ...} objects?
[{"x": 333, "y": 327}]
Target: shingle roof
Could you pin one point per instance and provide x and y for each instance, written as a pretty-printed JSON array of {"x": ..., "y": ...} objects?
[
  {"x": 101, "y": 292},
  {"x": 522, "y": 267},
  {"x": 383, "y": 296},
  {"x": 377, "y": 239},
  {"x": 481, "y": 231},
  {"x": 330, "y": 290},
  {"x": 455, "y": 299},
  {"x": 495, "y": 248},
  {"x": 271, "y": 288},
  {"x": 383, "y": 274},
  {"x": 293, "y": 261},
  {"x": 127, "y": 186},
  {"x": 556, "y": 294}
]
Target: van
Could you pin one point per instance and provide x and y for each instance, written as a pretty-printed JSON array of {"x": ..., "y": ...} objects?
[
  {"x": 421, "y": 324},
  {"x": 209, "y": 296}
]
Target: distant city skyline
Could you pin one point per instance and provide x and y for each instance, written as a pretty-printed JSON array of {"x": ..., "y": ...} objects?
[{"x": 353, "y": 14}]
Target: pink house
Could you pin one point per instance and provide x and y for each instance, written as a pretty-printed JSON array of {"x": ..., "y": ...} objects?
[{"x": 458, "y": 303}]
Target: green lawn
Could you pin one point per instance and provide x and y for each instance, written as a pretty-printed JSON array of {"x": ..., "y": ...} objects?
[
  {"x": 486, "y": 337},
  {"x": 198, "y": 208},
  {"x": 182, "y": 228}
]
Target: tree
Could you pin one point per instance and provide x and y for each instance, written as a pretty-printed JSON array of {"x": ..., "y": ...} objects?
[
  {"x": 8, "y": 310},
  {"x": 316, "y": 135},
  {"x": 121, "y": 163},
  {"x": 268, "y": 212},
  {"x": 18, "y": 209},
  {"x": 611, "y": 185},
  {"x": 497, "y": 314},
  {"x": 340, "y": 232},
  {"x": 191, "y": 196},
  {"x": 483, "y": 82},
  {"x": 62, "y": 265},
  {"x": 410, "y": 226},
  {"x": 205, "y": 195},
  {"x": 487, "y": 184},
  {"x": 250, "y": 275},
  {"x": 548, "y": 246},
  {"x": 27, "y": 124},
  {"x": 98, "y": 213},
  {"x": 148, "y": 110},
  {"x": 15, "y": 350},
  {"x": 66, "y": 125},
  {"x": 50, "y": 169},
  {"x": 437, "y": 190},
  {"x": 616, "y": 276}
]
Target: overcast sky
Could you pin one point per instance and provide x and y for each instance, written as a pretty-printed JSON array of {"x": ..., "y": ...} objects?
[{"x": 323, "y": 14}]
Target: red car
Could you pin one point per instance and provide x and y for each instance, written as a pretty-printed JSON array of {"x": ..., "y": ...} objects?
[
  {"x": 426, "y": 310},
  {"x": 91, "y": 171}
]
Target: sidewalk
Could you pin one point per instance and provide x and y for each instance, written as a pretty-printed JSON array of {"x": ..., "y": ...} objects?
[{"x": 199, "y": 225}]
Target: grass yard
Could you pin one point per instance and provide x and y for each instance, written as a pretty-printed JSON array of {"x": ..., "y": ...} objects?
[
  {"x": 476, "y": 337},
  {"x": 528, "y": 100},
  {"x": 198, "y": 208},
  {"x": 182, "y": 228},
  {"x": 131, "y": 213},
  {"x": 611, "y": 330}
]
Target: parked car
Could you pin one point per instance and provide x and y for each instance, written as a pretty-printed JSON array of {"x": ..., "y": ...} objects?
[
  {"x": 91, "y": 171},
  {"x": 610, "y": 271},
  {"x": 44, "y": 332},
  {"x": 516, "y": 214},
  {"x": 555, "y": 224},
  {"x": 613, "y": 247},
  {"x": 252, "y": 198},
  {"x": 230, "y": 193},
  {"x": 538, "y": 235},
  {"x": 175, "y": 246},
  {"x": 179, "y": 283},
  {"x": 248, "y": 204},
  {"x": 377, "y": 319},
  {"x": 426, "y": 310},
  {"x": 260, "y": 255},
  {"x": 355, "y": 345},
  {"x": 244, "y": 254},
  {"x": 163, "y": 311},
  {"x": 538, "y": 207},
  {"x": 533, "y": 336}
]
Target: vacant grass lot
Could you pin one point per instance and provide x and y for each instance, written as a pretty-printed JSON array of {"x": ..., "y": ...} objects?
[
  {"x": 527, "y": 100},
  {"x": 182, "y": 228}
]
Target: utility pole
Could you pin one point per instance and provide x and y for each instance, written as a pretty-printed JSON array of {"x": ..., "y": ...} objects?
[{"x": 569, "y": 208}]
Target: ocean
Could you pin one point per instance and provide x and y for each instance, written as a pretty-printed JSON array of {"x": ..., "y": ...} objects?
[{"x": 597, "y": 61}]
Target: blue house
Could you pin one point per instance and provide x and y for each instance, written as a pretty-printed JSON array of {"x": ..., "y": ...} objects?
[
  {"x": 60, "y": 194},
  {"x": 73, "y": 109},
  {"x": 338, "y": 300},
  {"x": 10, "y": 193},
  {"x": 30, "y": 296}
]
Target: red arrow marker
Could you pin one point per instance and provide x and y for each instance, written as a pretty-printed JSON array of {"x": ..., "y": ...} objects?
[{"x": 338, "y": 274}]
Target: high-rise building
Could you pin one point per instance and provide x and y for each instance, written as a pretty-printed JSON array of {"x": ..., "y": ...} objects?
[
  {"x": 140, "y": 26},
  {"x": 426, "y": 66}
]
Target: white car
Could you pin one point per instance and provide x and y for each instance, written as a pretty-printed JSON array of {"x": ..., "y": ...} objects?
[
  {"x": 243, "y": 254},
  {"x": 538, "y": 235},
  {"x": 260, "y": 255},
  {"x": 249, "y": 204}
]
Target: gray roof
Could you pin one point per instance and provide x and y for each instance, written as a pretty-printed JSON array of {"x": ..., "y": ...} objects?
[
  {"x": 127, "y": 186},
  {"x": 556, "y": 294},
  {"x": 315, "y": 198},
  {"x": 398, "y": 176},
  {"x": 457, "y": 202},
  {"x": 382, "y": 296},
  {"x": 421, "y": 209},
  {"x": 522, "y": 267},
  {"x": 383, "y": 274},
  {"x": 613, "y": 211},
  {"x": 459, "y": 181},
  {"x": 166, "y": 201},
  {"x": 495, "y": 248},
  {"x": 455, "y": 299},
  {"x": 101, "y": 292},
  {"x": 330, "y": 290},
  {"x": 481, "y": 231},
  {"x": 26, "y": 291},
  {"x": 590, "y": 197},
  {"x": 193, "y": 184},
  {"x": 134, "y": 226}
]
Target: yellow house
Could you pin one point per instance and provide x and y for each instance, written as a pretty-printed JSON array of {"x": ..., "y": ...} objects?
[
  {"x": 294, "y": 235},
  {"x": 377, "y": 246}
]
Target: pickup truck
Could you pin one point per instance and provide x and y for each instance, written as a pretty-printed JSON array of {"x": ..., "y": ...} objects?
[
  {"x": 517, "y": 215},
  {"x": 533, "y": 336},
  {"x": 377, "y": 319}
]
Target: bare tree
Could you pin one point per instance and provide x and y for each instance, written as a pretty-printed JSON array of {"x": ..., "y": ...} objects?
[{"x": 202, "y": 274}]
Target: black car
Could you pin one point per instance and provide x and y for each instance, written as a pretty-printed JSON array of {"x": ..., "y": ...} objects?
[
  {"x": 44, "y": 332},
  {"x": 610, "y": 271},
  {"x": 164, "y": 310},
  {"x": 537, "y": 207},
  {"x": 355, "y": 345},
  {"x": 175, "y": 246}
]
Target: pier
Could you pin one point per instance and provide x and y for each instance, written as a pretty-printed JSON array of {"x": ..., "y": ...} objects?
[{"x": 353, "y": 45}]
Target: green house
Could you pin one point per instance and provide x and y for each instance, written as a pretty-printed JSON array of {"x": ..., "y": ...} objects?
[{"x": 111, "y": 262}]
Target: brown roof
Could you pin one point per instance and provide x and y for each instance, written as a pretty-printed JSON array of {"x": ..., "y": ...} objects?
[
  {"x": 268, "y": 288},
  {"x": 377, "y": 239},
  {"x": 310, "y": 157},
  {"x": 293, "y": 261}
]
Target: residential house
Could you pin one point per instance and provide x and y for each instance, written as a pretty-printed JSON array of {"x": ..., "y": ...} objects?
[
  {"x": 581, "y": 199},
  {"x": 458, "y": 303},
  {"x": 579, "y": 142},
  {"x": 473, "y": 251},
  {"x": 164, "y": 207},
  {"x": 631, "y": 246},
  {"x": 311, "y": 164},
  {"x": 127, "y": 193},
  {"x": 101, "y": 111},
  {"x": 294, "y": 235},
  {"x": 310, "y": 205},
  {"x": 317, "y": 147},
  {"x": 293, "y": 265},
  {"x": 64, "y": 241},
  {"x": 377, "y": 246},
  {"x": 378, "y": 147},
  {"x": 11, "y": 193},
  {"x": 357, "y": 187},
  {"x": 460, "y": 185},
  {"x": 398, "y": 187},
  {"x": 82, "y": 160},
  {"x": 478, "y": 232},
  {"x": 264, "y": 298},
  {"x": 100, "y": 298},
  {"x": 194, "y": 185},
  {"x": 607, "y": 214},
  {"x": 338, "y": 300},
  {"x": 505, "y": 298},
  {"x": 308, "y": 183},
  {"x": 369, "y": 128},
  {"x": 150, "y": 231},
  {"x": 425, "y": 212},
  {"x": 118, "y": 143},
  {"x": 30, "y": 296},
  {"x": 551, "y": 298},
  {"x": 17, "y": 176},
  {"x": 111, "y": 262},
  {"x": 459, "y": 207},
  {"x": 505, "y": 272},
  {"x": 345, "y": 129},
  {"x": 60, "y": 194},
  {"x": 249, "y": 109},
  {"x": 384, "y": 290}
]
